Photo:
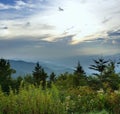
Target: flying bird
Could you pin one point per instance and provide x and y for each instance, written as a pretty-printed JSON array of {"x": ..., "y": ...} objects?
[
  {"x": 4, "y": 27},
  {"x": 61, "y": 9}
]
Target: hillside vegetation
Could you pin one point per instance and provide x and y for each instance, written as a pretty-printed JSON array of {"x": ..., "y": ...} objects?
[{"x": 68, "y": 93}]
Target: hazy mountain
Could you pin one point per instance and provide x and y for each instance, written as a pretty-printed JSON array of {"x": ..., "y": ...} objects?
[
  {"x": 22, "y": 67},
  {"x": 59, "y": 66},
  {"x": 86, "y": 61}
]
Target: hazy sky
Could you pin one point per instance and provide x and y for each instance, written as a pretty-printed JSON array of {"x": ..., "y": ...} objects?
[{"x": 53, "y": 29}]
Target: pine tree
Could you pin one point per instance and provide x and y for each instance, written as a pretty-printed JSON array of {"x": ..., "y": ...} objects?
[
  {"x": 5, "y": 74},
  {"x": 100, "y": 66},
  {"x": 52, "y": 77},
  {"x": 110, "y": 76},
  {"x": 79, "y": 69},
  {"x": 39, "y": 75},
  {"x": 80, "y": 78}
]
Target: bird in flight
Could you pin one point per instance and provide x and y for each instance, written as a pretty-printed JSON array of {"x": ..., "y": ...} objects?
[{"x": 61, "y": 9}]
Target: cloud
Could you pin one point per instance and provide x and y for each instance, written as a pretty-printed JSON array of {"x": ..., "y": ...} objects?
[
  {"x": 19, "y": 4},
  {"x": 3, "y": 6},
  {"x": 35, "y": 48},
  {"x": 44, "y": 15},
  {"x": 37, "y": 28},
  {"x": 38, "y": 48},
  {"x": 95, "y": 40},
  {"x": 114, "y": 33},
  {"x": 106, "y": 20}
]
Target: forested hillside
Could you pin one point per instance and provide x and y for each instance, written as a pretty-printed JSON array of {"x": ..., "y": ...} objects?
[{"x": 67, "y": 93}]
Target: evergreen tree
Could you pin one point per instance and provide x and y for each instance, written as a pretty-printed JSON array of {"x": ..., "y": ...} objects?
[
  {"x": 52, "y": 77},
  {"x": 29, "y": 79},
  {"x": 5, "y": 74},
  {"x": 79, "y": 69},
  {"x": 80, "y": 78},
  {"x": 111, "y": 77},
  {"x": 100, "y": 66},
  {"x": 39, "y": 75}
]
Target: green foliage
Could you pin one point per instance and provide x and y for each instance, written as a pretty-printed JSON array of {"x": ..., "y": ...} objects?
[
  {"x": 5, "y": 74},
  {"x": 39, "y": 75},
  {"x": 32, "y": 100},
  {"x": 64, "y": 81},
  {"x": 79, "y": 70},
  {"x": 94, "y": 82},
  {"x": 107, "y": 78},
  {"x": 79, "y": 77},
  {"x": 85, "y": 100},
  {"x": 110, "y": 77},
  {"x": 52, "y": 79},
  {"x": 101, "y": 112},
  {"x": 29, "y": 79},
  {"x": 99, "y": 66},
  {"x": 74, "y": 93}
]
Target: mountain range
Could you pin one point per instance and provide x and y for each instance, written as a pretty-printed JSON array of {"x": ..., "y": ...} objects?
[
  {"x": 22, "y": 67},
  {"x": 58, "y": 66}
]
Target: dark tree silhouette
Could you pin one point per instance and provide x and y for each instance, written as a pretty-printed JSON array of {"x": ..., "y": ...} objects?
[
  {"x": 39, "y": 75},
  {"x": 110, "y": 76},
  {"x": 99, "y": 66},
  {"x": 5, "y": 74},
  {"x": 52, "y": 77},
  {"x": 80, "y": 78},
  {"x": 79, "y": 69}
]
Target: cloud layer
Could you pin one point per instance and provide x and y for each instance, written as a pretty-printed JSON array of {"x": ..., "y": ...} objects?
[{"x": 40, "y": 29}]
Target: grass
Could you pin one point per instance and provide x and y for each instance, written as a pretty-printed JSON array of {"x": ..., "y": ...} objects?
[
  {"x": 32, "y": 100},
  {"x": 82, "y": 100}
]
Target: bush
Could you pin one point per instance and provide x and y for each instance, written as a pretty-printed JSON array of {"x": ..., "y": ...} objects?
[{"x": 32, "y": 100}]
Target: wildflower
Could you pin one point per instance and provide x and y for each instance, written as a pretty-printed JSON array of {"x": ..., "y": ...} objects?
[
  {"x": 101, "y": 91},
  {"x": 68, "y": 98},
  {"x": 79, "y": 96}
]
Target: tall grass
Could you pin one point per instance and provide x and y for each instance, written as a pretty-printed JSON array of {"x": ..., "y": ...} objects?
[
  {"x": 32, "y": 100},
  {"x": 82, "y": 100}
]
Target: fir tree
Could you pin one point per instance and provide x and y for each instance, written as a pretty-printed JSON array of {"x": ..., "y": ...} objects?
[
  {"x": 5, "y": 74},
  {"x": 39, "y": 75}
]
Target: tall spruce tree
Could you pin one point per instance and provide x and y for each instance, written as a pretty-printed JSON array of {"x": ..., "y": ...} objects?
[
  {"x": 79, "y": 69},
  {"x": 110, "y": 76},
  {"x": 52, "y": 77},
  {"x": 80, "y": 78},
  {"x": 99, "y": 66},
  {"x": 5, "y": 74},
  {"x": 39, "y": 75}
]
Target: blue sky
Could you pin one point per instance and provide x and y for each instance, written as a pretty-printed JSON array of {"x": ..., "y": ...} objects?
[{"x": 37, "y": 29}]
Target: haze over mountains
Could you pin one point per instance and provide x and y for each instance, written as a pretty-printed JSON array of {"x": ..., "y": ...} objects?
[
  {"x": 22, "y": 67},
  {"x": 58, "y": 66}
]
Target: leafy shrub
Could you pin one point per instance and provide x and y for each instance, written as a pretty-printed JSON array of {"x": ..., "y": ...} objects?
[{"x": 32, "y": 100}]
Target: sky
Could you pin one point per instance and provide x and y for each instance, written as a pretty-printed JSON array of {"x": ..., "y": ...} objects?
[{"x": 53, "y": 29}]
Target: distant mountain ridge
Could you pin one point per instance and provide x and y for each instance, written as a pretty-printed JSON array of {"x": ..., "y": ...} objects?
[
  {"x": 22, "y": 67},
  {"x": 59, "y": 66}
]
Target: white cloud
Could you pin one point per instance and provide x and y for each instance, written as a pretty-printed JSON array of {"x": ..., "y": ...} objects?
[
  {"x": 85, "y": 17},
  {"x": 2, "y": 6},
  {"x": 19, "y": 4}
]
